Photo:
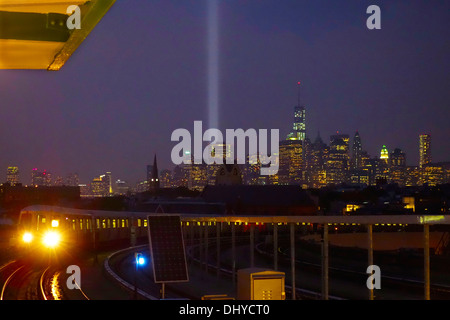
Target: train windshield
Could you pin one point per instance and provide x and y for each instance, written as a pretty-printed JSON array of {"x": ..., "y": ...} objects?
[{"x": 25, "y": 220}]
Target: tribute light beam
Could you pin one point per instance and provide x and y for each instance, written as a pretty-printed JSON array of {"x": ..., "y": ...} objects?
[{"x": 213, "y": 63}]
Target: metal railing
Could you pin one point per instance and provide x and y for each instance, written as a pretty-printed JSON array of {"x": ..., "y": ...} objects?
[{"x": 325, "y": 221}]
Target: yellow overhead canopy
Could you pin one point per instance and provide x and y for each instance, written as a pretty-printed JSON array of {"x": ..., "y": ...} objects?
[
  {"x": 34, "y": 35},
  {"x": 36, "y": 6}
]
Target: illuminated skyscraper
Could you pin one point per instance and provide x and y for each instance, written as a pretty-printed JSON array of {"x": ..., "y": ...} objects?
[
  {"x": 359, "y": 173},
  {"x": 299, "y": 127},
  {"x": 424, "y": 149},
  {"x": 43, "y": 178},
  {"x": 102, "y": 186},
  {"x": 221, "y": 150},
  {"x": 12, "y": 175},
  {"x": 251, "y": 170},
  {"x": 220, "y": 153},
  {"x": 337, "y": 166},
  {"x": 344, "y": 137},
  {"x": 315, "y": 164},
  {"x": 166, "y": 179},
  {"x": 381, "y": 167},
  {"x": 412, "y": 176},
  {"x": 397, "y": 162},
  {"x": 291, "y": 162},
  {"x": 434, "y": 174},
  {"x": 180, "y": 175},
  {"x": 356, "y": 161},
  {"x": 384, "y": 155},
  {"x": 121, "y": 187},
  {"x": 109, "y": 183},
  {"x": 197, "y": 176},
  {"x": 98, "y": 187}
]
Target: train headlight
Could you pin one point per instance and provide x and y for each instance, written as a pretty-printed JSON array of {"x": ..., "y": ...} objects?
[
  {"x": 27, "y": 237},
  {"x": 51, "y": 239}
]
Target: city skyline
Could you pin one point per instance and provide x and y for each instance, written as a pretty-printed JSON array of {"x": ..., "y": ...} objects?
[
  {"x": 142, "y": 74},
  {"x": 310, "y": 164}
]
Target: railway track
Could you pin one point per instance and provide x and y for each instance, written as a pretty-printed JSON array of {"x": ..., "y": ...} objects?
[{"x": 21, "y": 281}]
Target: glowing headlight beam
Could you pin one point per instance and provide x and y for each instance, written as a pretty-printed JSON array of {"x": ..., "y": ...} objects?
[
  {"x": 51, "y": 239},
  {"x": 27, "y": 237}
]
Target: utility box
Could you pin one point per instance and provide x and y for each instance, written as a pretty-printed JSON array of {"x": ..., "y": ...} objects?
[{"x": 260, "y": 284}]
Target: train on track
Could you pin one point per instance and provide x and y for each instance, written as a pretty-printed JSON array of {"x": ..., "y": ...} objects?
[{"x": 47, "y": 227}]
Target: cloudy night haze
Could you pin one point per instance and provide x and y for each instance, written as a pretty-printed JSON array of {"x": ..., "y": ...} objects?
[
  {"x": 150, "y": 147},
  {"x": 144, "y": 71}
]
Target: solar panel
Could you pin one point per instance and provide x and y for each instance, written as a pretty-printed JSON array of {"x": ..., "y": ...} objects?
[{"x": 167, "y": 249}]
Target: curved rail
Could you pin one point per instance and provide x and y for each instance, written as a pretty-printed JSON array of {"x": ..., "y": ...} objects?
[
  {"x": 81, "y": 291},
  {"x": 8, "y": 280},
  {"x": 43, "y": 291},
  {"x": 41, "y": 284}
]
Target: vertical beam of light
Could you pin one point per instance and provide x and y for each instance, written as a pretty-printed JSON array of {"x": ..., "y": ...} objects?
[{"x": 213, "y": 63}]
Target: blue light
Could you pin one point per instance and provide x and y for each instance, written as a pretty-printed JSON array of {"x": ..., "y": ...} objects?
[{"x": 140, "y": 259}]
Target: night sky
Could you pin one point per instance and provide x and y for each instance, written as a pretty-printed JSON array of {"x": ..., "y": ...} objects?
[{"x": 142, "y": 73}]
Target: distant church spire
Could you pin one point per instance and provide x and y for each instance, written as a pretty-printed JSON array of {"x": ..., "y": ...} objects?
[
  {"x": 318, "y": 138},
  {"x": 154, "y": 181}
]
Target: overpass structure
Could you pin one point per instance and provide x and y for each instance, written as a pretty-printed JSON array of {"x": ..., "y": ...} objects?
[{"x": 36, "y": 34}]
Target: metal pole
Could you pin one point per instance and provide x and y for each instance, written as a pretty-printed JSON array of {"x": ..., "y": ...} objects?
[
  {"x": 233, "y": 253},
  {"x": 252, "y": 245},
  {"x": 426, "y": 257},
  {"x": 201, "y": 245},
  {"x": 218, "y": 226},
  {"x": 292, "y": 227},
  {"x": 191, "y": 236},
  {"x": 94, "y": 235},
  {"x": 191, "y": 233},
  {"x": 275, "y": 246},
  {"x": 325, "y": 262},
  {"x": 135, "y": 276},
  {"x": 370, "y": 253},
  {"x": 206, "y": 246}
]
